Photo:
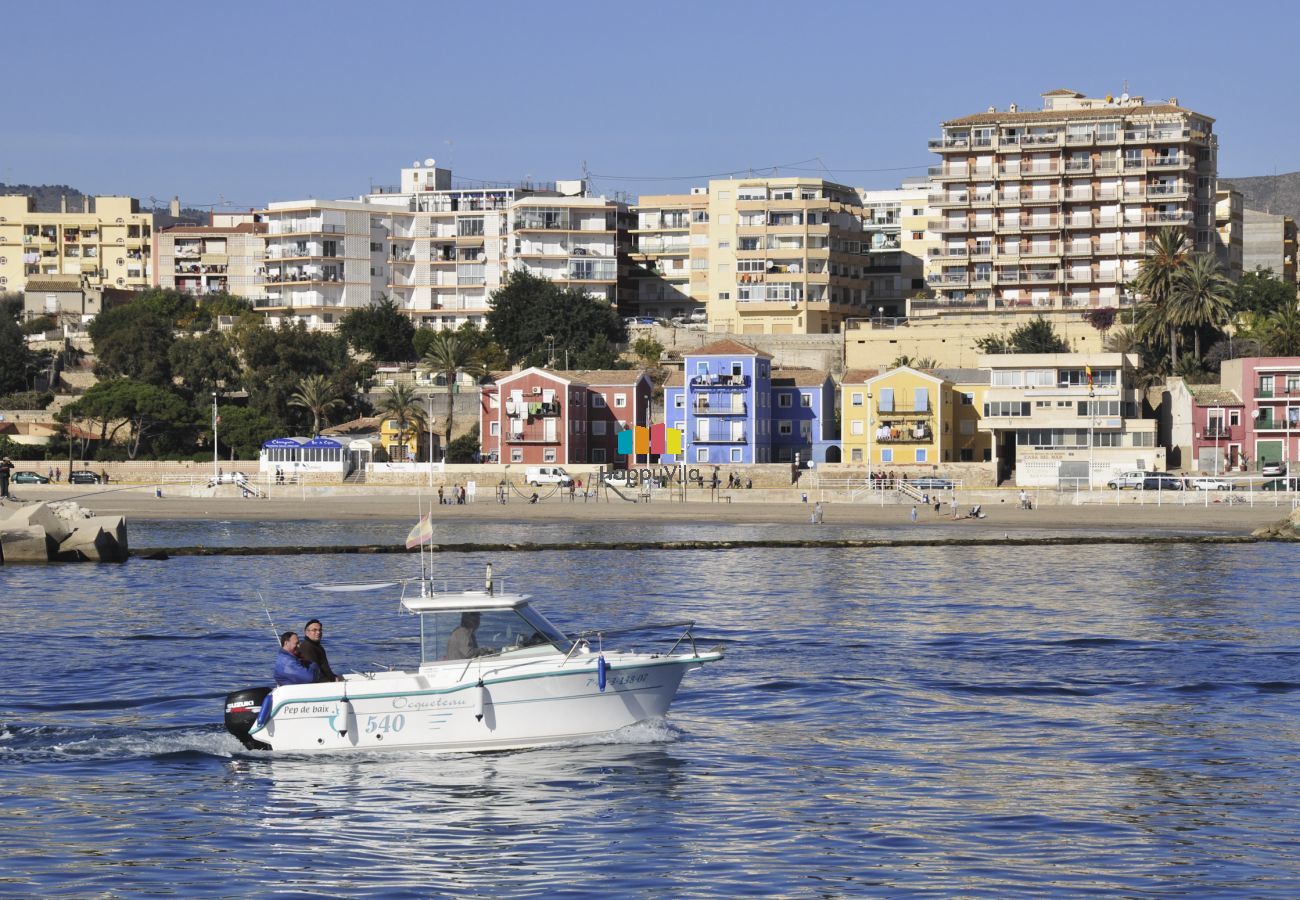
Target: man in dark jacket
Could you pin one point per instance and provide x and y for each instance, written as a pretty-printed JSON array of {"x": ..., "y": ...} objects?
[
  {"x": 289, "y": 669},
  {"x": 311, "y": 650},
  {"x": 5, "y": 468}
]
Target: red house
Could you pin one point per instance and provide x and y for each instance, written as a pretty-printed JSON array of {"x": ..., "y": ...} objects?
[{"x": 540, "y": 416}]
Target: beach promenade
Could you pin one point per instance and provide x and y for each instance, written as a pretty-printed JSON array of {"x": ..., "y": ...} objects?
[{"x": 1111, "y": 516}]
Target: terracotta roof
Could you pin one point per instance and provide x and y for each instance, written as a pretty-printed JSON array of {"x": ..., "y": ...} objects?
[
  {"x": 676, "y": 379},
  {"x": 241, "y": 228},
  {"x": 69, "y": 283},
  {"x": 726, "y": 347},
  {"x": 859, "y": 376},
  {"x": 362, "y": 425},
  {"x": 1213, "y": 394},
  {"x": 1051, "y": 115},
  {"x": 1061, "y": 92},
  {"x": 798, "y": 377},
  {"x": 605, "y": 376}
]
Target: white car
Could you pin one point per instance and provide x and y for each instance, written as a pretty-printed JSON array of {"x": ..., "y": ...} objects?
[
  {"x": 1273, "y": 469},
  {"x": 1209, "y": 484}
]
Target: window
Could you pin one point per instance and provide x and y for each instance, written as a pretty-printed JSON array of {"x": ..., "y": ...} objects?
[
  {"x": 886, "y": 454},
  {"x": 620, "y": 401},
  {"x": 494, "y": 429},
  {"x": 724, "y": 295},
  {"x": 680, "y": 425},
  {"x": 1234, "y": 417},
  {"x": 597, "y": 401},
  {"x": 784, "y": 428},
  {"x": 967, "y": 399},
  {"x": 857, "y": 426},
  {"x": 783, "y": 401},
  {"x": 856, "y": 398},
  {"x": 805, "y": 400},
  {"x": 855, "y": 455},
  {"x": 548, "y": 455},
  {"x": 598, "y": 428},
  {"x": 920, "y": 454},
  {"x": 737, "y": 455},
  {"x": 724, "y": 245},
  {"x": 516, "y": 454},
  {"x": 679, "y": 401},
  {"x": 1006, "y": 408},
  {"x": 701, "y": 454},
  {"x": 598, "y": 455}
]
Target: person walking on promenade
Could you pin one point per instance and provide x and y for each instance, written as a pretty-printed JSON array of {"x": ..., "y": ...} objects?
[
  {"x": 913, "y": 514},
  {"x": 6, "y": 466}
]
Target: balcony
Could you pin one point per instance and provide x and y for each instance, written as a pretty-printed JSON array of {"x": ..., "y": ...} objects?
[
  {"x": 949, "y": 143},
  {"x": 949, "y": 278},
  {"x": 923, "y": 306},
  {"x": 1078, "y": 166},
  {"x": 1040, "y": 250},
  {"x": 948, "y": 253},
  {"x": 1218, "y": 432},
  {"x": 735, "y": 437},
  {"x": 909, "y": 411},
  {"x": 1037, "y": 197},
  {"x": 949, "y": 226},
  {"x": 730, "y": 407},
  {"x": 719, "y": 381},
  {"x": 949, "y": 199},
  {"x": 1040, "y": 223},
  {"x": 904, "y": 436}
]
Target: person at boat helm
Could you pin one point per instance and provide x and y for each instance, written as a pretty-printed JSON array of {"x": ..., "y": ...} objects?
[
  {"x": 310, "y": 649},
  {"x": 463, "y": 642},
  {"x": 289, "y": 669}
]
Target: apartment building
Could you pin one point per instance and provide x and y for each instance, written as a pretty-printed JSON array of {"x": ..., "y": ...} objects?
[
  {"x": 451, "y": 247},
  {"x": 1269, "y": 242},
  {"x": 1066, "y": 420},
  {"x": 895, "y": 227},
  {"x": 322, "y": 258},
  {"x": 1229, "y": 229},
  {"x": 669, "y": 256},
  {"x": 225, "y": 256},
  {"x": 106, "y": 244},
  {"x": 1056, "y": 208},
  {"x": 786, "y": 256}
]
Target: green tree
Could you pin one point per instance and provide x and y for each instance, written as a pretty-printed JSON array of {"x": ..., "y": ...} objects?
[
  {"x": 1035, "y": 336},
  {"x": 1156, "y": 281},
  {"x": 381, "y": 330},
  {"x": 143, "y": 409},
  {"x": 276, "y": 359},
  {"x": 318, "y": 395},
  {"x": 599, "y": 353},
  {"x": 133, "y": 340},
  {"x": 16, "y": 360},
  {"x": 919, "y": 362},
  {"x": 244, "y": 430},
  {"x": 465, "y": 449},
  {"x": 1202, "y": 298},
  {"x": 1279, "y": 332},
  {"x": 449, "y": 357},
  {"x": 1263, "y": 292},
  {"x": 400, "y": 404},
  {"x": 532, "y": 318},
  {"x": 204, "y": 363},
  {"x": 648, "y": 350}
]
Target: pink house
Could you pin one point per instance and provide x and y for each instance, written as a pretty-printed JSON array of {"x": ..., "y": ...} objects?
[
  {"x": 1250, "y": 418},
  {"x": 541, "y": 416}
]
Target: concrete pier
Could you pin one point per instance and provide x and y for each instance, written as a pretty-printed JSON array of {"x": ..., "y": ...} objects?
[{"x": 61, "y": 532}]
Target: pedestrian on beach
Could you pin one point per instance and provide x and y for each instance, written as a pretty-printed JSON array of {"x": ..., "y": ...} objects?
[
  {"x": 58, "y": 474},
  {"x": 952, "y": 504},
  {"x": 914, "y": 514},
  {"x": 441, "y": 499}
]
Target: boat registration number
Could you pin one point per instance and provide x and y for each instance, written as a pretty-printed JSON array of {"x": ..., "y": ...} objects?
[
  {"x": 622, "y": 680},
  {"x": 385, "y": 724}
]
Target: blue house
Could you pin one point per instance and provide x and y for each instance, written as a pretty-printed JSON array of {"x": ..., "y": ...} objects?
[{"x": 733, "y": 408}]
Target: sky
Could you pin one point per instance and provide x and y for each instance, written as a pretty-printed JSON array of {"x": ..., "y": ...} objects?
[{"x": 231, "y": 105}]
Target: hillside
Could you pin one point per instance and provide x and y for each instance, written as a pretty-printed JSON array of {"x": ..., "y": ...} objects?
[
  {"x": 49, "y": 199},
  {"x": 1276, "y": 194}
]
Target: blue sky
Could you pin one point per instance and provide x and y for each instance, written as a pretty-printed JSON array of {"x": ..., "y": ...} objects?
[{"x": 272, "y": 101}]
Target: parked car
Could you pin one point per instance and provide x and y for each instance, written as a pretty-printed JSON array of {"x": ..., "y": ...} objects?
[
  {"x": 619, "y": 478},
  {"x": 82, "y": 476},
  {"x": 1162, "y": 483},
  {"x": 1135, "y": 479},
  {"x": 539, "y": 475},
  {"x": 1281, "y": 484},
  {"x": 932, "y": 484},
  {"x": 28, "y": 477},
  {"x": 1209, "y": 484},
  {"x": 639, "y": 321},
  {"x": 699, "y": 315},
  {"x": 231, "y": 478},
  {"x": 1273, "y": 469}
]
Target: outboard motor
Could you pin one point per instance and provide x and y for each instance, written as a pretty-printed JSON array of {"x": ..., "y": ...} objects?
[{"x": 242, "y": 709}]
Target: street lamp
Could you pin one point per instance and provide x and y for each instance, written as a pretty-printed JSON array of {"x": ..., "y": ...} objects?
[
  {"x": 870, "y": 483},
  {"x": 1092, "y": 421},
  {"x": 216, "y": 421}
]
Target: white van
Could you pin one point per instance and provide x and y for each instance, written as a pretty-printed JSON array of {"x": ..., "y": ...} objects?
[
  {"x": 538, "y": 475},
  {"x": 699, "y": 315}
]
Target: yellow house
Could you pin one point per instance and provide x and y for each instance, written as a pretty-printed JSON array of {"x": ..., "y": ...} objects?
[
  {"x": 968, "y": 443},
  {"x": 899, "y": 417},
  {"x": 409, "y": 445}
]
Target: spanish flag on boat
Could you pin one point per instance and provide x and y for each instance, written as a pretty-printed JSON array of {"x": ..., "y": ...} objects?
[{"x": 422, "y": 533}]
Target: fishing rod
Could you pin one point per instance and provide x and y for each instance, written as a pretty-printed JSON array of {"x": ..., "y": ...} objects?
[{"x": 275, "y": 631}]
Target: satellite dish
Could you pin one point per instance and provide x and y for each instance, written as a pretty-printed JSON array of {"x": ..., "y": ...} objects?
[
  {"x": 1123, "y": 98},
  {"x": 429, "y": 162},
  {"x": 416, "y": 164}
]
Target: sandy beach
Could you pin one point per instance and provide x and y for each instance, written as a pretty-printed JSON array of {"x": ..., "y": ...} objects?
[{"x": 1118, "y": 516}]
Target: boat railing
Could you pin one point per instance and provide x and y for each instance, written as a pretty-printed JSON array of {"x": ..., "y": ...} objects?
[{"x": 599, "y": 634}]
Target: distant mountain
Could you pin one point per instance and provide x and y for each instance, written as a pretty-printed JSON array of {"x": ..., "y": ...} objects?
[
  {"x": 1276, "y": 194},
  {"x": 50, "y": 197}
]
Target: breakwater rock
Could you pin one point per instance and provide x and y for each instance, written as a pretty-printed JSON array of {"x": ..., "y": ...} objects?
[{"x": 61, "y": 532}]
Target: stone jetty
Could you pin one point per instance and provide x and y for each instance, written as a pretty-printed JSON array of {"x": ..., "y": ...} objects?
[{"x": 61, "y": 532}]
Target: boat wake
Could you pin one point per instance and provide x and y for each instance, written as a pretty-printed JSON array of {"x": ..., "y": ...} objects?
[{"x": 46, "y": 743}]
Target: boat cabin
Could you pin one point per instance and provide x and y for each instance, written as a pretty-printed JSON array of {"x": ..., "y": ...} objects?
[{"x": 467, "y": 624}]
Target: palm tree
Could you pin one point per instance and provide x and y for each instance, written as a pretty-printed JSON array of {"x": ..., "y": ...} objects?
[
  {"x": 1156, "y": 281},
  {"x": 318, "y": 395},
  {"x": 1202, "y": 296},
  {"x": 449, "y": 356},
  {"x": 1280, "y": 332},
  {"x": 400, "y": 403}
]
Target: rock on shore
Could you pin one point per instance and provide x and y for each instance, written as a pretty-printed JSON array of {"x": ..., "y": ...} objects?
[{"x": 61, "y": 532}]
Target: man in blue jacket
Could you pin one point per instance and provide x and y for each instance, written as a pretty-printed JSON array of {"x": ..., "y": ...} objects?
[{"x": 289, "y": 669}]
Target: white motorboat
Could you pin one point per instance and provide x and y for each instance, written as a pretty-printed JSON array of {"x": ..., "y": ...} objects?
[{"x": 517, "y": 681}]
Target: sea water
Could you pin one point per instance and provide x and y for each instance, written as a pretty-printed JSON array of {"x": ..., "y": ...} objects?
[{"x": 941, "y": 721}]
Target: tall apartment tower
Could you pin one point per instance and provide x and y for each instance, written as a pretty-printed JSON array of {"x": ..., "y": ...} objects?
[
  {"x": 670, "y": 254},
  {"x": 226, "y": 255},
  {"x": 1056, "y": 208},
  {"x": 106, "y": 243}
]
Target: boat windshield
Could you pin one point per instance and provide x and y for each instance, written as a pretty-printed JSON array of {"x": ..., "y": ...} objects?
[{"x": 461, "y": 634}]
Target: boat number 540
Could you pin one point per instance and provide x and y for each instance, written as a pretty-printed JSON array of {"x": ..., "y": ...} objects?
[{"x": 385, "y": 724}]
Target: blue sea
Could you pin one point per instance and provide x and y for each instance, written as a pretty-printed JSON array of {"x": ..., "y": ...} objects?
[{"x": 945, "y": 721}]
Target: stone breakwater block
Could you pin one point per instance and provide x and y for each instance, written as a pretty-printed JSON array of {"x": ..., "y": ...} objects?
[
  {"x": 25, "y": 544},
  {"x": 97, "y": 539},
  {"x": 54, "y": 521}
]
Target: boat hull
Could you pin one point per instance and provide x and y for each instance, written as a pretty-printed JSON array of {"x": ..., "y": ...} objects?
[{"x": 477, "y": 706}]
